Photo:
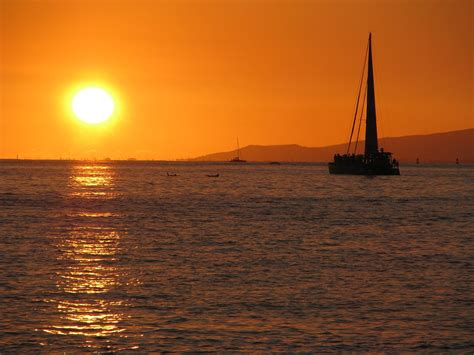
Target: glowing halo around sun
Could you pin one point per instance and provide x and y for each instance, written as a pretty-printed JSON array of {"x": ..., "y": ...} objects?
[{"x": 93, "y": 105}]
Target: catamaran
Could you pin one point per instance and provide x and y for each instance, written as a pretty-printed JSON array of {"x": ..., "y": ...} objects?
[{"x": 373, "y": 161}]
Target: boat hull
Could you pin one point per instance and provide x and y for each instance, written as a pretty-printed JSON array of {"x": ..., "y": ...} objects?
[{"x": 362, "y": 169}]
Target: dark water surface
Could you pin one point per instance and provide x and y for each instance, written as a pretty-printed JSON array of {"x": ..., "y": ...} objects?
[{"x": 118, "y": 256}]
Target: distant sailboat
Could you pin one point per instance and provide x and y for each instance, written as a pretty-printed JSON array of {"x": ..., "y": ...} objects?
[
  {"x": 373, "y": 161},
  {"x": 237, "y": 158}
]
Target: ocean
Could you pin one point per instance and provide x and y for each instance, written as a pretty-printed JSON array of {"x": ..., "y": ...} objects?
[{"x": 118, "y": 256}]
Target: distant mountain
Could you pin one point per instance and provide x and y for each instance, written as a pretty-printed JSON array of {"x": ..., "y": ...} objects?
[{"x": 438, "y": 147}]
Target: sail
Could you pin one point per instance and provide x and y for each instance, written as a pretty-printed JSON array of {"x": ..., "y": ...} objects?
[{"x": 371, "y": 144}]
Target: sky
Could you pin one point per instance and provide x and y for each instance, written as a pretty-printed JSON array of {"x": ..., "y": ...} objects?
[{"x": 189, "y": 77}]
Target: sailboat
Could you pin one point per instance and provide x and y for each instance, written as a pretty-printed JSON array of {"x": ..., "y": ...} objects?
[
  {"x": 237, "y": 158},
  {"x": 373, "y": 161}
]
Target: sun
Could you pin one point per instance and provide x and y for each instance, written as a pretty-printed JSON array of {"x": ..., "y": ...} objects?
[{"x": 93, "y": 105}]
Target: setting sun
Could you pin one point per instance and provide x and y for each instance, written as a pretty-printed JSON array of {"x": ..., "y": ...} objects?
[{"x": 93, "y": 105}]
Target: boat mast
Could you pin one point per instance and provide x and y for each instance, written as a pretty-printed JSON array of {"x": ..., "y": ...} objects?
[
  {"x": 238, "y": 148},
  {"x": 357, "y": 102},
  {"x": 371, "y": 144}
]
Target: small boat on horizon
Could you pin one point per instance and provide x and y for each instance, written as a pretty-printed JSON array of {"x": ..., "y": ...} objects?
[
  {"x": 373, "y": 161},
  {"x": 237, "y": 158}
]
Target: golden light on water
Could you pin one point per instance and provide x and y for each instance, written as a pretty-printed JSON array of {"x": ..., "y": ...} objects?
[
  {"x": 90, "y": 318},
  {"x": 89, "y": 253},
  {"x": 92, "y": 181},
  {"x": 91, "y": 269}
]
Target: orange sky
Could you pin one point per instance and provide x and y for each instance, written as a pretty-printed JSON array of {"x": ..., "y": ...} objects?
[{"x": 190, "y": 76}]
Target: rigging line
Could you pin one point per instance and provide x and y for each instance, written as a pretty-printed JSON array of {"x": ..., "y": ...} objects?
[
  {"x": 383, "y": 114},
  {"x": 358, "y": 97},
  {"x": 360, "y": 119}
]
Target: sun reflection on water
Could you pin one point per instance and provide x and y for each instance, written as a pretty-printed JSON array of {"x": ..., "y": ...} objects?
[
  {"x": 92, "y": 181},
  {"x": 88, "y": 255},
  {"x": 90, "y": 269}
]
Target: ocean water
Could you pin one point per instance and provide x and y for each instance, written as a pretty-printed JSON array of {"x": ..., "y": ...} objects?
[{"x": 111, "y": 256}]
